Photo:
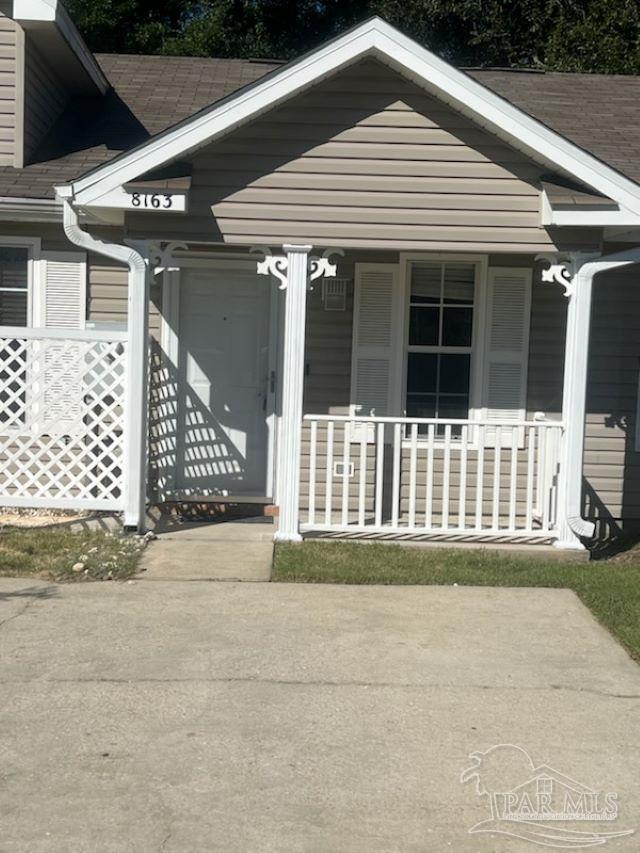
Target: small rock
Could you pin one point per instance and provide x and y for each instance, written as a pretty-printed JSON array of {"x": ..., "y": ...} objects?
[{"x": 77, "y": 567}]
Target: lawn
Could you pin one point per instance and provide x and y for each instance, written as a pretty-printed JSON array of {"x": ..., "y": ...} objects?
[
  {"x": 58, "y": 554},
  {"x": 609, "y": 588}
]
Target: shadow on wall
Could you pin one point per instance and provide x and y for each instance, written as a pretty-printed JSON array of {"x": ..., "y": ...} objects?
[
  {"x": 95, "y": 122},
  {"x": 189, "y": 449},
  {"x": 611, "y": 493}
]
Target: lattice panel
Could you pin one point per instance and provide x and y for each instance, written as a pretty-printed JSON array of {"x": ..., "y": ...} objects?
[{"x": 61, "y": 421}]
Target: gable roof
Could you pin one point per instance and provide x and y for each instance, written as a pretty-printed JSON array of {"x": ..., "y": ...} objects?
[
  {"x": 598, "y": 112},
  {"x": 374, "y": 38}
]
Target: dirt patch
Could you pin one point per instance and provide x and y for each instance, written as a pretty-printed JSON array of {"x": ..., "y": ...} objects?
[{"x": 19, "y": 517}]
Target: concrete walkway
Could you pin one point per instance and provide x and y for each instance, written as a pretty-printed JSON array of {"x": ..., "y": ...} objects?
[
  {"x": 199, "y": 717},
  {"x": 216, "y": 551}
]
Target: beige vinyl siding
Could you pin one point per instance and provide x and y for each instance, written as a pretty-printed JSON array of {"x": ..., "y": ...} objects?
[
  {"x": 107, "y": 289},
  {"x": 364, "y": 159},
  {"x": 612, "y": 465},
  {"x": 44, "y": 99},
  {"x": 9, "y": 36}
]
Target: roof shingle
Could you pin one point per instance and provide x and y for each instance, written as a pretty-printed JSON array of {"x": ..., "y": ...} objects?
[{"x": 598, "y": 112}]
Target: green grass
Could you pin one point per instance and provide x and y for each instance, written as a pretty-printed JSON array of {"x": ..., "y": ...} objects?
[
  {"x": 609, "y": 588},
  {"x": 60, "y": 555}
]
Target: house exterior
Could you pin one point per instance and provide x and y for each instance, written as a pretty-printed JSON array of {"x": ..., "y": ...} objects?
[{"x": 389, "y": 296}]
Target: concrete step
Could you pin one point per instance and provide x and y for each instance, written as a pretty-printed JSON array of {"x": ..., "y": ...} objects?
[{"x": 240, "y": 550}]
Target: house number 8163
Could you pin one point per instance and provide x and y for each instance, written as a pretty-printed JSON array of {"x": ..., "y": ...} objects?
[{"x": 153, "y": 200}]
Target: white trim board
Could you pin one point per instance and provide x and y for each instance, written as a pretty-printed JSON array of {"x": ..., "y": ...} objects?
[{"x": 377, "y": 39}]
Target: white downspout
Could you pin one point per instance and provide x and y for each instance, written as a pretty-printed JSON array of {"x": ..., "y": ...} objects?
[
  {"x": 135, "y": 412},
  {"x": 572, "y": 524}
]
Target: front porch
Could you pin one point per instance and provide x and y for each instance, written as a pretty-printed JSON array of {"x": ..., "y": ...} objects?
[{"x": 311, "y": 417}]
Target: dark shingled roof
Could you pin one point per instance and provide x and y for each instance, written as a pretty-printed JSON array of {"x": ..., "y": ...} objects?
[{"x": 599, "y": 112}]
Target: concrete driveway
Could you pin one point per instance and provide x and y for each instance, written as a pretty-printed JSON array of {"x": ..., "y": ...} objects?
[{"x": 260, "y": 717}]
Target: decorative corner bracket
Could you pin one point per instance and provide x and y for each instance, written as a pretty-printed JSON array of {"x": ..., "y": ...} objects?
[
  {"x": 159, "y": 256},
  {"x": 322, "y": 266},
  {"x": 275, "y": 265},
  {"x": 557, "y": 273},
  {"x": 278, "y": 265}
]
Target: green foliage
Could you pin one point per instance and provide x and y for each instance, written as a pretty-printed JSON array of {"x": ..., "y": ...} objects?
[{"x": 565, "y": 35}]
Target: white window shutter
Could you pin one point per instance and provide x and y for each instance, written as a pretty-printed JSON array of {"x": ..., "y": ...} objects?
[
  {"x": 64, "y": 290},
  {"x": 376, "y": 335},
  {"x": 62, "y": 368},
  {"x": 507, "y": 346}
]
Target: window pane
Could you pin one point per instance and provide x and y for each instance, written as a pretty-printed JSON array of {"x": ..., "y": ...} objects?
[
  {"x": 459, "y": 281},
  {"x": 426, "y": 283},
  {"x": 457, "y": 324},
  {"x": 453, "y": 408},
  {"x": 13, "y": 267},
  {"x": 421, "y": 406},
  {"x": 422, "y": 372},
  {"x": 454, "y": 374},
  {"x": 13, "y": 308},
  {"x": 424, "y": 326}
]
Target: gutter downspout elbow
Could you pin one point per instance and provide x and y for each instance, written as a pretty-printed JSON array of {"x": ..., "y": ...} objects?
[
  {"x": 115, "y": 251},
  {"x": 583, "y": 289}
]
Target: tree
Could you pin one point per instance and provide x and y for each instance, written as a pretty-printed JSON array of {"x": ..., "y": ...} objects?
[{"x": 565, "y": 35}]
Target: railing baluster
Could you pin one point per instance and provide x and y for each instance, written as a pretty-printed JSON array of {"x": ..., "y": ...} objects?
[
  {"x": 395, "y": 491},
  {"x": 328, "y": 493},
  {"x": 541, "y": 473},
  {"x": 531, "y": 456},
  {"x": 312, "y": 471},
  {"x": 379, "y": 474},
  {"x": 514, "y": 478},
  {"x": 412, "y": 475},
  {"x": 428, "y": 521},
  {"x": 346, "y": 461},
  {"x": 495, "y": 518},
  {"x": 545, "y": 480},
  {"x": 462, "y": 500},
  {"x": 446, "y": 477},
  {"x": 480, "y": 478},
  {"x": 363, "y": 473}
]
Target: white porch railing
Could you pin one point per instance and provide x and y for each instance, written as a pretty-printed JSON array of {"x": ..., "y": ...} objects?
[
  {"x": 61, "y": 418},
  {"x": 421, "y": 476}
]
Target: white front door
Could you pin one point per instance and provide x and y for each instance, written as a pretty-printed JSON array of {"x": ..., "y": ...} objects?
[{"x": 223, "y": 375}]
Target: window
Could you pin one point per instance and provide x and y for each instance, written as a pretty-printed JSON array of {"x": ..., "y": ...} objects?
[
  {"x": 14, "y": 286},
  {"x": 545, "y": 785},
  {"x": 15, "y": 310},
  {"x": 442, "y": 299}
]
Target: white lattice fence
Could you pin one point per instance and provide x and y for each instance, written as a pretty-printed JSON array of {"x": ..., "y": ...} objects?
[{"x": 62, "y": 418}]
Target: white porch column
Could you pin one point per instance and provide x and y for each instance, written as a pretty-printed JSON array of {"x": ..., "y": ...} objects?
[
  {"x": 295, "y": 270},
  {"x": 579, "y": 288},
  {"x": 289, "y": 445},
  {"x": 136, "y": 400},
  {"x": 576, "y": 358}
]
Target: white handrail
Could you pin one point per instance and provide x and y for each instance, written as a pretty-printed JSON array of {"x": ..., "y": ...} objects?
[
  {"x": 437, "y": 421},
  {"x": 54, "y": 334}
]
